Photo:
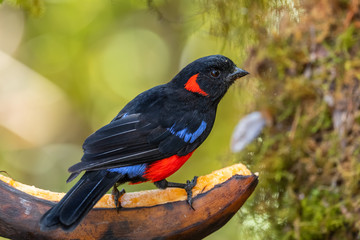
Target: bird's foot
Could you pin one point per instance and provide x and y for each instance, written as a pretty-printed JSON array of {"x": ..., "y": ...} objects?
[
  {"x": 116, "y": 196},
  {"x": 188, "y": 188}
]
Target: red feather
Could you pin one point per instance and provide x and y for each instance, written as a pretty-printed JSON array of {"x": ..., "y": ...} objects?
[
  {"x": 162, "y": 169},
  {"x": 192, "y": 86}
]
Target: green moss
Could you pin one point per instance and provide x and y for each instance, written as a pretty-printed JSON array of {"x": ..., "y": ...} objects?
[{"x": 308, "y": 69}]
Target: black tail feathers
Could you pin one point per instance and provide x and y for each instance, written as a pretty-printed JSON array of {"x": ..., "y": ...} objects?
[{"x": 81, "y": 198}]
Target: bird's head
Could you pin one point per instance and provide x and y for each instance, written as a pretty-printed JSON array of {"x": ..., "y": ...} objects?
[{"x": 208, "y": 77}]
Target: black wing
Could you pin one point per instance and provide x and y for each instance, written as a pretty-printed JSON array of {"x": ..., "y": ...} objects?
[{"x": 130, "y": 140}]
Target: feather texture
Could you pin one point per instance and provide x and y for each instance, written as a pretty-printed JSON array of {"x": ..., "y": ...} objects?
[{"x": 132, "y": 140}]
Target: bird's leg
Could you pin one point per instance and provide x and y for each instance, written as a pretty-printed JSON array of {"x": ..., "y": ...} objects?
[
  {"x": 188, "y": 186},
  {"x": 116, "y": 195}
]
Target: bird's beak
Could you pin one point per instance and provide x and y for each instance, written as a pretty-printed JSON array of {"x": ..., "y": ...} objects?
[{"x": 238, "y": 73}]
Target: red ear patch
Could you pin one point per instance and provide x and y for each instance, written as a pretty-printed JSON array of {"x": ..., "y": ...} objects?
[{"x": 192, "y": 86}]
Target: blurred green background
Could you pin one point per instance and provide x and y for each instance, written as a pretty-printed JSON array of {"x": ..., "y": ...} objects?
[{"x": 68, "y": 67}]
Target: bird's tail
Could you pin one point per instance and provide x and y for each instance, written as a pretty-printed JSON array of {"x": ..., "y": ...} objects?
[{"x": 81, "y": 198}]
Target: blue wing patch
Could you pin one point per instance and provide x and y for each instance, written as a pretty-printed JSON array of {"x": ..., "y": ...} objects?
[
  {"x": 186, "y": 135},
  {"x": 132, "y": 171}
]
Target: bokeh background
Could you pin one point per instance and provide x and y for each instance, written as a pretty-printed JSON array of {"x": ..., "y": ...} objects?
[{"x": 68, "y": 67}]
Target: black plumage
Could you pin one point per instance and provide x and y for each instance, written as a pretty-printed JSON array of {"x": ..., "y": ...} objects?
[{"x": 167, "y": 121}]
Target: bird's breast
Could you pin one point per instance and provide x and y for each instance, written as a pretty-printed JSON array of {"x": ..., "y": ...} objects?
[{"x": 163, "y": 168}]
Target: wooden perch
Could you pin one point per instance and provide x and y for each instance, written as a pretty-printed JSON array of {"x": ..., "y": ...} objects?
[{"x": 160, "y": 214}]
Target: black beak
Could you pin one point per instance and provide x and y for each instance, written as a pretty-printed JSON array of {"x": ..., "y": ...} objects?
[{"x": 238, "y": 73}]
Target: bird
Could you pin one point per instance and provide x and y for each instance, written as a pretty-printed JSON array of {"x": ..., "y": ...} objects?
[{"x": 149, "y": 139}]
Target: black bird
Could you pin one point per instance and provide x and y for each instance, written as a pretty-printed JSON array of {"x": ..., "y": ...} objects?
[{"x": 149, "y": 140}]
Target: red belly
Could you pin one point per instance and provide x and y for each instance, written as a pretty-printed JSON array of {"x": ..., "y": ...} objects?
[{"x": 162, "y": 169}]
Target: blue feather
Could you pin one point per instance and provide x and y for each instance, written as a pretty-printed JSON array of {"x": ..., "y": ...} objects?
[
  {"x": 186, "y": 135},
  {"x": 130, "y": 171},
  {"x": 198, "y": 132}
]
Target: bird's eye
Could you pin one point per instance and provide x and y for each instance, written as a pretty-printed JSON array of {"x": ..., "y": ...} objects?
[{"x": 215, "y": 73}]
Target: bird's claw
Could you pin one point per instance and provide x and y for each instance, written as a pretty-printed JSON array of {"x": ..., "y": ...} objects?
[
  {"x": 188, "y": 188},
  {"x": 116, "y": 196}
]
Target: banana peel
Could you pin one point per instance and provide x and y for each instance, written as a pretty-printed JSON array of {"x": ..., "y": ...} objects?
[{"x": 151, "y": 214}]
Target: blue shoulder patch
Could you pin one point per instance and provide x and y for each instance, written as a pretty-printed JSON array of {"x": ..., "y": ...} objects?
[
  {"x": 130, "y": 171},
  {"x": 188, "y": 136}
]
